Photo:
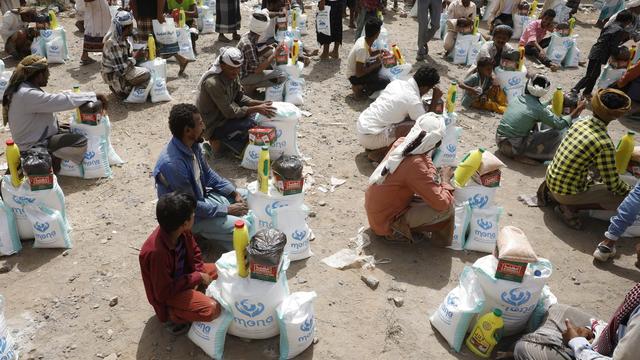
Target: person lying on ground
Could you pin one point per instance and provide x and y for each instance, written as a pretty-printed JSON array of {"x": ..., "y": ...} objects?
[
  {"x": 181, "y": 166},
  {"x": 118, "y": 68},
  {"x": 172, "y": 269},
  {"x": 519, "y": 135},
  {"x": 227, "y": 112},
  {"x": 586, "y": 146},
  {"x": 460, "y": 17},
  {"x": 191, "y": 14},
  {"x": 394, "y": 112},
  {"x": 31, "y": 112},
  {"x": 255, "y": 71},
  {"x": 496, "y": 47},
  {"x": 607, "y": 45},
  {"x": 567, "y": 333},
  {"x": 363, "y": 63},
  {"x": 15, "y": 31},
  {"x": 405, "y": 195},
  {"x": 481, "y": 91},
  {"x": 534, "y": 41}
]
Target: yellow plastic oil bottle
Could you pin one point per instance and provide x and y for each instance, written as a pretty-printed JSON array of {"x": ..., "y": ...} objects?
[
  {"x": 295, "y": 52},
  {"x": 13, "y": 160},
  {"x": 467, "y": 167},
  {"x": 486, "y": 333},
  {"x": 476, "y": 23},
  {"x": 294, "y": 19},
  {"x": 182, "y": 18},
  {"x": 632, "y": 51},
  {"x": 572, "y": 24},
  {"x": 53, "y": 20},
  {"x": 557, "y": 102},
  {"x": 521, "y": 59},
  {"x": 534, "y": 8},
  {"x": 151, "y": 45},
  {"x": 397, "y": 53},
  {"x": 624, "y": 151},
  {"x": 263, "y": 170},
  {"x": 240, "y": 242},
  {"x": 451, "y": 97},
  {"x": 76, "y": 89}
]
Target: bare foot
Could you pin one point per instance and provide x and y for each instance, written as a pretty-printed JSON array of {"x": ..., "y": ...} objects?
[
  {"x": 526, "y": 160},
  {"x": 324, "y": 55},
  {"x": 554, "y": 67},
  {"x": 334, "y": 54}
]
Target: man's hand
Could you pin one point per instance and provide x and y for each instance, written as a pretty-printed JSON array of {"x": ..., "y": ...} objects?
[
  {"x": 206, "y": 279},
  {"x": 160, "y": 17},
  {"x": 103, "y": 99},
  {"x": 238, "y": 209},
  {"x": 582, "y": 104},
  {"x": 237, "y": 197},
  {"x": 570, "y": 333},
  {"x": 445, "y": 174},
  {"x": 436, "y": 94},
  {"x": 321, "y": 5},
  {"x": 266, "y": 109}
]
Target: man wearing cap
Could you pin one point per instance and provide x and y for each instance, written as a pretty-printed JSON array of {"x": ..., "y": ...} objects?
[
  {"x": 406, "y": 197},
  {"x": 254, "y": 72},
  {"x": 519, "y": 136},
  {"x": 30, "y": 112},
  {"x": 585, "y": 147},
  {"x": 227, "y": 112}
]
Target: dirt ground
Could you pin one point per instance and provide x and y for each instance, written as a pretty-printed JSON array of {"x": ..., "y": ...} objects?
[{"x": 58, "y": 302}]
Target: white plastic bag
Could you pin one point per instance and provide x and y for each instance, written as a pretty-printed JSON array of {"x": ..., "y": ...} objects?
[
  {"x": 37, "y": 47},
  {"x": 297, "y": 323},
  {"x": 274, "y": 93},
  {"x": 447, "y": 151},
  {"x": 71, "y": 169},
  {"x": 184, "y": 42},
  {"x": 293, "y": 223},
  {"x": 286, "y": 123},
  {"x": 208, "y": 21},
  {"x": 264, "y": 205},
  {"x": 100, "y": 133},
  {"x": 8, "y": 349},
  {"x": 478, "y": 196},
  {"x": 18, "y": 198},
  {"x": 138, "y": 95},
  {"x": 55, "y": 45},
  {"x": 609, "y": 76},
  {"x": 96, "y": 160},
  {"x": 295, "y": 91},
  {"x": 210, "y": 336},
  {"x": 323, "y": 22},
  {"x": 572, "y": 60},
  {"x": 49, "y": 227},
  {"x": 462, "y": 46},
  {"x": 166, "y": 38},
  {"x": 474, "y": 50},
  {"x": 461, "y": 224},
  {"x": 520, "y": 22},
  {"x": 516, "y": 300},
  {"x": 442, "y": 30},
  {"x": 559, "y": 47},
  {"x": 114, "y": 158},
  {"x": 5, "y": 76},
  {"x": 489, "y": 9},
  {"x": 483, "y": 229},
  {"x": 158, "y": 69},
  {"x": 400, "y": 72},
  {"x": 9, "y": 239},
  {"x": 252, "y": 302},
  {"x": 512, "y": 82},
  {"x": 250, "y": 157},
  {"x": 454, "y": 315}
]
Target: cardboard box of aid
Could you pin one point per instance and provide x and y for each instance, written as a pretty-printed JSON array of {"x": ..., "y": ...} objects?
[{"x": 262, "y": 135}]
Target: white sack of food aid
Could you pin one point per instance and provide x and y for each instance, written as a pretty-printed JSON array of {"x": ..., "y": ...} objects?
[
  {"x": 166, "y": 38},
  {"x": 572, "y": 60},
  {"x": 210, "y": 336},
  {"x": 447, "y": 151},
  {"x": 286, "y": 122},
  {"x": 516, "y": 300},
  {"x": 474, "y": 50},
  {"x": 5, "y": 76},
  {"x": 483, "y": 229},
  {"x": 18, "y": 198},
  {"x": 462, "y": 47},
  {"x": 274, "y": 93},
  {"x": 264, "y": 205},
  {"x": 9, "y": 239},
  {"x": 461, "y": 224},
  {"x": 478, "y": 196},
  {"x": 293, "y": 223},
  {"x": 184, "y": 41},
  {"x": 520, "y": 22},
  {"x": 512, "y": 82},
  {"x": 295, "y": 91},
  {"x": 398, "y": 72},
  {"x": 252, "y": 302},
  {"x": 8, "y": 348},
  {"x": 250, "y": 157},
  {"x": 158, "y": 69},
  {"x": 49, "y": 227},
  {"x": 55, "y": 45},
  {"x": 296, "y": 319},
  {"x": 455, "y": 313},
  {"x": 609, "y": 76},
  {"x": 559, "y": 47},
  {"x": 37, "y": 47},
  {"x": 323, "y": 21},
  {"x": 71, "y": 169}
]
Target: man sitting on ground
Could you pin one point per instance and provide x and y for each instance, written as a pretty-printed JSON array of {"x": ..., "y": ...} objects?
[
  {"x": 395, "y": 111},
  {"x": 172, "y": 268},
  {"x": 15, "y": 32},
  {"x": 586, "y": 146},
  {"x": 364, "y": 64},
  {"x": 494, "y": 48},
  {"x": 393, "y": 209},
  {"x": 181, "y": 167},
  {"x": 30, "y": 112},
  {"x": 119, "y": 68},
  {"x": 518, "y": 135},
  {"x": 534, "y": 41},
  {"x": 461, "y": 14},
  {"x": 258, "y": 58},
  {"x": 227, "y": 112}
]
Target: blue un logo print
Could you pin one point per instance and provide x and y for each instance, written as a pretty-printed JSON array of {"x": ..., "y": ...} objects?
[
  {"x": 514, "y": 81},
  {"x": 274, "y": 205},
  {"x": 89, "y": 155},
  {"x": 307, "y": 324},
  {"x": 451, "y": 147},
  {"x": 249, "y": 309},
  {"x": 23, "y": 200},
  {"x": 299, "y": 235},
  {"x": 478, "y": 201},
  {"x": 42, "y": 227},
  {"x": 484, "y": 224},
  {"x": 516, "y": 297}
]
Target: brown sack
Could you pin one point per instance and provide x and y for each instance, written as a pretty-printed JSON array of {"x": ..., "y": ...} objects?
[
  {"x": 490, "y": 163},
  {"x": 513, "y": 245}
]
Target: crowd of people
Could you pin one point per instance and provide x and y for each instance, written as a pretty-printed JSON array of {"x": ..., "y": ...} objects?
[{"x": 407, "y": 196}]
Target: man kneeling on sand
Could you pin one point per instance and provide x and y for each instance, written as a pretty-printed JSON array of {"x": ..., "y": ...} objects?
[
  {"x": 172, "y": 268},
  {"x": 406, "y": 197}
]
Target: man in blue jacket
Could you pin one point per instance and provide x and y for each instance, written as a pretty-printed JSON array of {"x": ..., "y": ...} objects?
[{"x": 182, "y": 167}]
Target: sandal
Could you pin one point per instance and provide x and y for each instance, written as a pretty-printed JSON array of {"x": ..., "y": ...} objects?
[
  {"x": 573, "y": 221},
  {"x": 87, "y": 61}
]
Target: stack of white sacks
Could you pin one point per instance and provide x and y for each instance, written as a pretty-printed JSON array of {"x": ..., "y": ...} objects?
[
  {"x": 563, "y": 50},
  {"x": 476, "y": 214},
  {"x": 512, "y": 82},
  {"x": 206, "y": 16},
  {"x": 467, "y": 48},
  {"x": 52, "y": 44},
  {"x": 394, "y": 70},
  {"x": 256, "y": 309}
]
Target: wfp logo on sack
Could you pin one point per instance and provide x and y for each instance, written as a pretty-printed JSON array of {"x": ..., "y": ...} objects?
[
  {"x": 515, "y": 297},
  {"x": 253, "y": 155},
  {"x": 322, "y": 23},
  {"x": 3, "y": 83},
  {"x": 274, "y": 205},
  {"x": 451, "y": 148},
  {"x": 484, "y": 224},
  {"x": 450, "y": 304},
  {"x": 89, "y": 155},
  {"x": 516, "y": 80},
  {"x": 42, "y": 227},
  {"x": 478, "y": 201},
  {"x": 46, "y": 33},
  {"x": 396, "y": 70},
  {"x": 299, "y": 235},
  {"x": 23, "y": 200},
  {"x": 251, "y": 310},
  {"x": 41, "y": 234},
  {"x": 307, "y": 328}
]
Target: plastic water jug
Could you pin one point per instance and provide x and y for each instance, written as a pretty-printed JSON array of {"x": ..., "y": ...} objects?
[
  {"x": 467, "y": 167},
  {"x": 13, "y": 160},
  {"x": 263, "y": 170},
  {"x": 240, "y": 242},
  {"x": 486, "y": 333},
  {"x": 624, "y": 151}
]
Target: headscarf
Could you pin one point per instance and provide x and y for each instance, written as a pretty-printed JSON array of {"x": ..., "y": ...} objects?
[
  {"x": 602, "y": 112},
  {"x": 256, "y": 25},
  {"x": 120, "y": 19},
  {"x": 607, "y": 341},
  {"x": 422, "y": 139},
  {"x": 536, "y": 90},
  {"x": 231, "y": 56},
  {"x": 25, "y": 69}
]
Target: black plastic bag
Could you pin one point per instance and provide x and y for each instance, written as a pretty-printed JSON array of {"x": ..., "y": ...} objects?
[
  {"x": 288, "y": 167},
  {"x": 266, "y": 246},
  {"x": 36, "y": 161}
]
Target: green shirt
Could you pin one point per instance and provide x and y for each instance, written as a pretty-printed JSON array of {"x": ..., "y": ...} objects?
[
  {"x": 524, "y": 113},
  {"x": 185, "y": 5},
  {"x": 475, "y": 80}
]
